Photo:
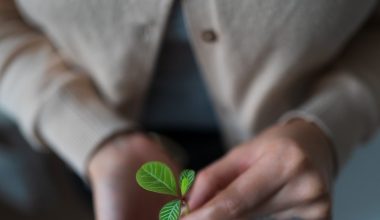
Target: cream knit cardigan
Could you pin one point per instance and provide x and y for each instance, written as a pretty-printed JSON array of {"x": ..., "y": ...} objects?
[{"x": 74, "y": 72}]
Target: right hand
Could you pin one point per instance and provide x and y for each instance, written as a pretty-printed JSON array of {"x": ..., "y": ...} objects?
[
  {"x": 112, "y": 173},
  {"x": 286, "y": 172}
]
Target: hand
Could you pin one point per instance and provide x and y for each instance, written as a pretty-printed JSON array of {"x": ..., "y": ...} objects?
[
  {"x": 112, "y": 173},
  {"x": 283, "y": 174}
]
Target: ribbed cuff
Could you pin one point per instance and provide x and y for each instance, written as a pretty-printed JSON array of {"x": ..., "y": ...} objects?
[
  {"x": 344, "y": 109},
  {"x": 74, "y": 122}
]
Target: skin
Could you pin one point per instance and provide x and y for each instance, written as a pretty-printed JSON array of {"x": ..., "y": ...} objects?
[
  {"x": 112, "y": 173},
  {"x": 285, "y": 173}
]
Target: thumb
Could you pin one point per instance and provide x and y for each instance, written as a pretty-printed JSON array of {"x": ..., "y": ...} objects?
[{"x": 215, "y": 178}]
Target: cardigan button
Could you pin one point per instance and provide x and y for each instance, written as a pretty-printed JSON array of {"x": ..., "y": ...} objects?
[{"x": 209, "y": 36}]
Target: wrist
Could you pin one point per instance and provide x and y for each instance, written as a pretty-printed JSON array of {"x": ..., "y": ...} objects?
[
  {"x": 116, "y": 150},
  {"x": 316, "y": 144}
]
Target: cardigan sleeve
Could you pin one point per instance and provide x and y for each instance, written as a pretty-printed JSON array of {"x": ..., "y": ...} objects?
[
  {"x": 54, "y": 104},
  {"x": 346, "y": 101}
]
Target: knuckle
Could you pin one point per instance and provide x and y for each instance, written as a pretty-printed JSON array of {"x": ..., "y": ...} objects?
[
  {"x": 297, "y": 159},
  {"x": 322, "y": 210},
  {"x": 233, "y": 207},
  {"x": 325, "y": 211},
  {"x": 313, "y": 187},
  {"x": 298, "y": 156},
  {"x": 207, "y": 179},
  {"x": 204, "y": 177},
  {"x": 140, "y": 139}
]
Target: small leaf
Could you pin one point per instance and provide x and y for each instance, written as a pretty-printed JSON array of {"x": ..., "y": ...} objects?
[
  {"x": 186, "y": 181},
  {"x": 157, "y": 177},
  {"x": 171, "y": 210}
]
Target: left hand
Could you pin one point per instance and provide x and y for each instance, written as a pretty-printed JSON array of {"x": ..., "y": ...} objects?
[
  {"x": 112, "y": 172},
  {"x": 285, "y": 173}
]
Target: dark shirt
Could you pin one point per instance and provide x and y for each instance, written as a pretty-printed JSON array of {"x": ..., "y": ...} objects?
[{"x": 178, "y": 98}]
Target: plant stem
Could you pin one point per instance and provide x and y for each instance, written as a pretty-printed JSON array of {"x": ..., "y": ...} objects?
[{"x": 185, "y": 208}]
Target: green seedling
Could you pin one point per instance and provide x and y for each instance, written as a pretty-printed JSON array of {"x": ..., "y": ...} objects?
[{"x": 159, "y": 178}]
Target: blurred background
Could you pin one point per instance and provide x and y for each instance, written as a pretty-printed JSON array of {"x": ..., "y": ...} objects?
[
  {"x": 357, "y": 193},
  {"x": 38, "y": 186}
]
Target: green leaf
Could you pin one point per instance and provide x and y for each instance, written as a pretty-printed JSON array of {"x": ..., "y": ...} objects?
[
  {"x": 171, "y": 210},
  {"x": 157, "y": 177},
  {"x": 186, "y": 181}
]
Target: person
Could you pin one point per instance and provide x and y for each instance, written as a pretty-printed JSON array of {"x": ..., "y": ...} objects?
[{"x": 295, "y": 85}]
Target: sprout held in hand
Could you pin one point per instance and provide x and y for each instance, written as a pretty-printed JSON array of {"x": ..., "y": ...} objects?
[{"x": 158, "y": 177}]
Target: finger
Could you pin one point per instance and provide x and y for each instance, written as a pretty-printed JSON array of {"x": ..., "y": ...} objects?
[
  {"x": 242, "y": 195},
  {"x": 302, "y": 189},
  {"x": 319, "y": 210},
  {"x": 215, "y": 178}
]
